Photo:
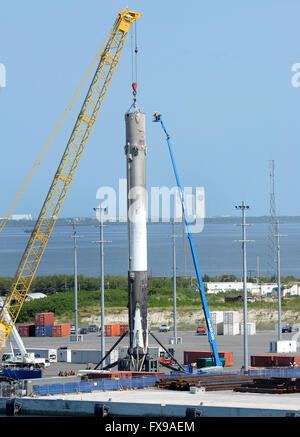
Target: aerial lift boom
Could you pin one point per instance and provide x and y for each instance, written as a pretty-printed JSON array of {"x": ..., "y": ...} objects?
[{"x": 211, "y": 336}]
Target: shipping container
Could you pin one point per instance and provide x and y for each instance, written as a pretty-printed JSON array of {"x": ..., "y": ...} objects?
[
  {"x": 285, "y": 346},
  {"x": 21, "y": 373},
  {"x": 192, "y": 356},
  {"x": 207, "y": 362},
  {"x": 26, "y": 330},
  {"x": 231, "y": 317},
  {"x": 287, "y": 361},
  {"x": 262, "y": 361},
  {"x": 275, "y": 360},
  {"x": 43, "y": 319},
  {"x": 123, "y": 328},
  {"x": 251, "y": 328},
  {"x": 64, "y": 355},
  {"x": 217, "y": 321},
  {"x": 112, "y": 329},
  {"x": 61, "y": 330},
  {"x": 43, "y": 331},
  {"x": 84, "y": 356},
  {"x": 231, "y": 328},
  {"x": 217, "y": 316}
]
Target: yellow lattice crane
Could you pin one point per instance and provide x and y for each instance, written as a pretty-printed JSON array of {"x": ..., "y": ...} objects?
[{"x": 109, "y": 58}]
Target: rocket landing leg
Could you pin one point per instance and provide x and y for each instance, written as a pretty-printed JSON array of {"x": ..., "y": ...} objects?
[{"x": 137, "y": 319}]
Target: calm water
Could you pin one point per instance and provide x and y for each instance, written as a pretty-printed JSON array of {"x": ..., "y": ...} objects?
[{"x": 217, "y": 250}]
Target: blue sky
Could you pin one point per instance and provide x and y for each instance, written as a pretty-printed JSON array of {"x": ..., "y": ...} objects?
[{"x": 219, "y": 72}]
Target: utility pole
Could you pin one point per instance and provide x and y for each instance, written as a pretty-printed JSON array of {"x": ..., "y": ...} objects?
[
  {"x": 75, "y": 236},
  {"x": 277, "y": 236},
  {"x": 174, "y": 281},
  {"x": 243, "y": 208},
  {"x": 75, "y": 278},
  {"x": 272, "y": 222},
  {"x": 184, "y": 251},
  {"x": 101, "y": 209}
]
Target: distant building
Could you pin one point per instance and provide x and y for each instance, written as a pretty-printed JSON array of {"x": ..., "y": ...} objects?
[
  {"x": 21, "y": 217},
  {"x": 253, "y": 288},
  {"x": 32, "y": 296},
  {"x": 291, "y": 290}
]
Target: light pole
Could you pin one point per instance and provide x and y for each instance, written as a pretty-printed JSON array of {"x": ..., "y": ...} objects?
[
  {"x": 243, "y": 208},
  {"x": 75, "y": 278},
  {"x": 174, "y": 282},
  {"x": 75, "y": 236},
  {"x": 277, "y": 235},
  {"x": 102, "y": 209}
]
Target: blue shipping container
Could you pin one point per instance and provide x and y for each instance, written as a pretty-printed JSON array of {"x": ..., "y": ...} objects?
[
  {"x": 43, "y": 331},
  {"x": 21, "y": 373}
]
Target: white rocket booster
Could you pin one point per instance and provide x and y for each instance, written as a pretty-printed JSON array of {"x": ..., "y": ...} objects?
[{"x": 135, "y": 151}]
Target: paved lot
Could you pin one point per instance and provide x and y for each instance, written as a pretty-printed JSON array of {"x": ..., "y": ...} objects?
[{"x": 257, "y": 344}]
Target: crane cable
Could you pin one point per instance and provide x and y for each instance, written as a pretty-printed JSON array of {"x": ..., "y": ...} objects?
[
  {"x": 50, "y": 140},
  {"x": 134, "y": 52}
]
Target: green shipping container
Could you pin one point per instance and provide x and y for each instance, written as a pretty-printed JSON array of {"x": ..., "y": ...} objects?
[{"x": 207, "y": 362}]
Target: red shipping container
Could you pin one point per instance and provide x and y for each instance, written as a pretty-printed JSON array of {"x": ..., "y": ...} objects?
[
  {"x": 191, "y": 357},
  {"x": 61, "y": 330},
  {"x": 112, "y": 329},
  {"x": 286, "y": 360},
  {"x": 123, "y": 328},
  {"x": 43, "y": 319},
  {"x": 23, "y": 330},
  {"x": 262, "y": 361}
]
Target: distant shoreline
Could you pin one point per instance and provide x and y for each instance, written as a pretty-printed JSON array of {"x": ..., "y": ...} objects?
[{"x": 208, "y": 220}]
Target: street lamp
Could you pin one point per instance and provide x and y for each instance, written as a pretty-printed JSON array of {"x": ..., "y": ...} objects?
[{"x": 101, "y": 209}]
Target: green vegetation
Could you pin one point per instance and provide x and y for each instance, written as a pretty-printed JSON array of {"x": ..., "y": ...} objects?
[{"x": 59, "y": 290}]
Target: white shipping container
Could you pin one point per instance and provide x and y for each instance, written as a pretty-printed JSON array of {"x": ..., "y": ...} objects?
[
  {"x": 217, "y": 316},
  {"x": 231, "y": 317},
  {"x": 231, "y": 328},
  {"x": 251, "y": 328},
  {"x": 84, "y": 356},
  {"x": 64, "y": 355},
  {"x": 284, "y": 346},
  {"x": 218, "y": 328}
]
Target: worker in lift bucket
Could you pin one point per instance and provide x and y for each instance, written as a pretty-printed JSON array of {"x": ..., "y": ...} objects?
[{"x": 156, "y": 116}]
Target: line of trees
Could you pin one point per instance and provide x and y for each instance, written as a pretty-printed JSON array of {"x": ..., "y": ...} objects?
[{"x": 61, "y": 283}]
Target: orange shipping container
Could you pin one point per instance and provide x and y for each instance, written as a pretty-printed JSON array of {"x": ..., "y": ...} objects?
[
  {"x": 112, "y": 329},
  {"x": 42, "y": 319},
  {"x": 61, "y": 330},
  {"x": 192, "y": 356}
]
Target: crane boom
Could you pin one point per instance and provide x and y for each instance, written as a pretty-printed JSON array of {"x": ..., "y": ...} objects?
[
  {"x": 211, "y": 335},
  {"x": 66, "y": 170}
]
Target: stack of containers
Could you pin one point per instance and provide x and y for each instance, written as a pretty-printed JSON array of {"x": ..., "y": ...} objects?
[
  {"x": 231, "y": 324},
  {"x": 190, "y": 357},
  {"x": 43, "y": 324},
  {"x": 217, "y": 321},
  {"x": 112, "y": 329},
  {"x": 61, "y": 330}
]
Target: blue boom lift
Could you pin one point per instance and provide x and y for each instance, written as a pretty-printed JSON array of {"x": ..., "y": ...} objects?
[{"x": 211, "y": 336}]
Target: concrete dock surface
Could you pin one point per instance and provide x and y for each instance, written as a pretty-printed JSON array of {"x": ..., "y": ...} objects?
[{"x": 156, "y": 402}]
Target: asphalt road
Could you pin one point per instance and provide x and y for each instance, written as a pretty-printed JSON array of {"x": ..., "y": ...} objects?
[{"x": 257, "y": 344}]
